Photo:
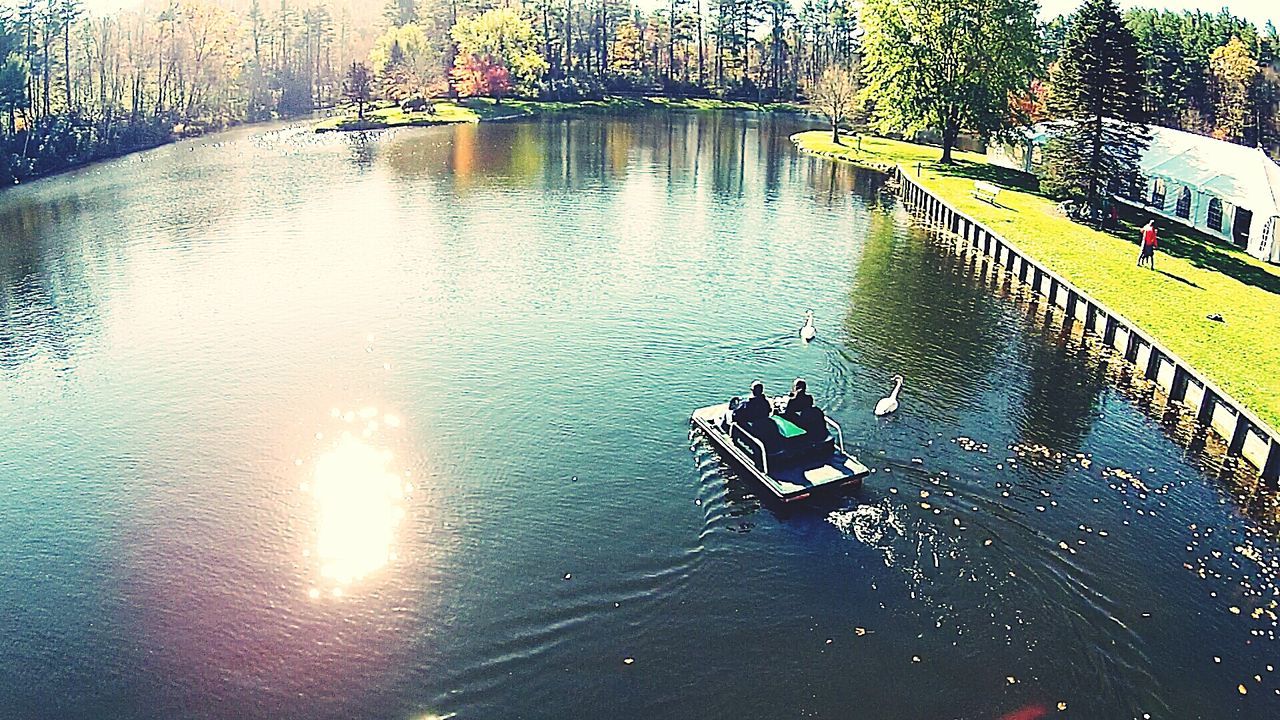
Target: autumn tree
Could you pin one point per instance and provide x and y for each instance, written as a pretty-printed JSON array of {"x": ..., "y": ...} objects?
[
  {"x": 503, "y": 37},
  {"x": 835, "y": 94},
  {"x": 1232, "y": 73},
  {"x": 950, "y": 65},
  {"x": 624, "y": 56},
  {"x": 482, "y": 76}
]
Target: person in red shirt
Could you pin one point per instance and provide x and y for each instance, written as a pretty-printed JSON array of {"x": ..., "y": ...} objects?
[{"x": 1148, "y": 245}]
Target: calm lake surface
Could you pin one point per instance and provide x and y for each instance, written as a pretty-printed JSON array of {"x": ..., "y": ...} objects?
[{"x": 397, "y": 426}]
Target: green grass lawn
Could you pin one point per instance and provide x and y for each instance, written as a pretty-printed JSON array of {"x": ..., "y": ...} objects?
[
  {"x": 1196, "y": 275},
  {"x": 378, "y": 118}
]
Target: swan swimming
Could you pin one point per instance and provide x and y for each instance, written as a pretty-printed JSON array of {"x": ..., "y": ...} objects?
[
  {"x": 808, "y": 332},
  {"x": 889, "y": 404}
]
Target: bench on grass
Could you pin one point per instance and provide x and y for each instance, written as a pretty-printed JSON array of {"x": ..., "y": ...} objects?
[{"x": 985, "y": 191}]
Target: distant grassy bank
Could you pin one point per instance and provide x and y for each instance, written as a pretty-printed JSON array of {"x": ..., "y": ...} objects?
[
  {"x": 1195, "y": 275},
  {"x": 478, "y": 109}
]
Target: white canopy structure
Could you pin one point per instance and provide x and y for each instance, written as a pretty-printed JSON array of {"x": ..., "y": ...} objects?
[{"x": 1219, "y": 187}]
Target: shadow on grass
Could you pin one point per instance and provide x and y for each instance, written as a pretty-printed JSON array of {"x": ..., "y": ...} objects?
[
  {"x": 994, "y": 174},
  {"x": 1182, "y": 280},
  {"x": 1197, "y": 248}
]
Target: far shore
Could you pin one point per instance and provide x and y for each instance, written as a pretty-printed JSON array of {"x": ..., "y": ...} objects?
[{"x": 446, "y": 112}]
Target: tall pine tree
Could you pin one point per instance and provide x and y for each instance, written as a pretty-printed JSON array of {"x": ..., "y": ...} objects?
[{"x": 1096, "y": 94}]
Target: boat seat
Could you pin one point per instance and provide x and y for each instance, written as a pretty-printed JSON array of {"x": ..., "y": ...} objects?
[{"x": 790, "y": 442}]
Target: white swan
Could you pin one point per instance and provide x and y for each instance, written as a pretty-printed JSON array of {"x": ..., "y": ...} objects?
[
  {"x": 889, "y": 404},
  {"x": 808, "y": 332}
]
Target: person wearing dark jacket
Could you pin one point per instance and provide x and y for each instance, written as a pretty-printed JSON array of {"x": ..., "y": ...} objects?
[
  {"x": 799, "y": 408},
  {"x": 756, "y": 408}
]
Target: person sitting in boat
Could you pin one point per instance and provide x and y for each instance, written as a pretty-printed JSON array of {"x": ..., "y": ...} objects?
[
  {"x": 799, "y": 408},
  {"x": 757, "y": 407}
]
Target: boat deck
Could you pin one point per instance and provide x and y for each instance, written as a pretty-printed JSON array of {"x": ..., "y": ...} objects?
[{"x": 794, "y": 480}]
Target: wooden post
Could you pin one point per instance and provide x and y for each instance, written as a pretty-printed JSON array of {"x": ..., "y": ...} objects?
[
  {"x": 1109, "y": 334},
  {"x": 1271, "y": 468},
  {"x": 1153, "y": 363},
  {"x": 1131, "y": 346},
  {"x": 1178, "y": 389},
  {"x": 1204, "y": 415},
  {"x": 1238, "y": 436}
]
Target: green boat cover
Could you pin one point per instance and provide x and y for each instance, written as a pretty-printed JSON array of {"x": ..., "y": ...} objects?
[{"x": 786, "y": 427}]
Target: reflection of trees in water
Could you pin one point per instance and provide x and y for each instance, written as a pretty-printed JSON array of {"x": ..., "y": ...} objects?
[
  {"x": 363, "y": 149},
  {"x": 929, "y": 323},
  {"x": 575, "y": 151},
  {"x": 835, "y": 183},
  {"x": 46, "y": 305},
  {"x": 1060, "y": 402}
]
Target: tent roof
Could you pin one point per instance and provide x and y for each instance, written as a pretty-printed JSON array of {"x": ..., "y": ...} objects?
[{"x": 1243, "y": 176}]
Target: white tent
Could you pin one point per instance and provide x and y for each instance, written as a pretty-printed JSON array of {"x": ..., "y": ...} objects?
[{"x": 1219, "y": 187}]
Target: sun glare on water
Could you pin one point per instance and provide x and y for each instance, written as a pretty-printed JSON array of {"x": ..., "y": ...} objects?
[{"x": 359, "y": 502}]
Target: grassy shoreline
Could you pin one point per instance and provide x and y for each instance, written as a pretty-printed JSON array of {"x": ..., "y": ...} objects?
[
  {"x": 1195, "y": 276},
  {"x": 484, "y": 109}
]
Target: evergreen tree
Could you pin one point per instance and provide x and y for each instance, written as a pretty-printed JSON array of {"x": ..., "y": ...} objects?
[
  {"x": 1096, "y": 95},
  {"x": 401, "y": 12}
]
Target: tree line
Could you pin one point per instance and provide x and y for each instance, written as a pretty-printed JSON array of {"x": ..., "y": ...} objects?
[{"x": 76, "y": 86}]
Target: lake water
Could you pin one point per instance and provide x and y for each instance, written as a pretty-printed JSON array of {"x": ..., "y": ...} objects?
[{"x": 397, "y": 427}]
